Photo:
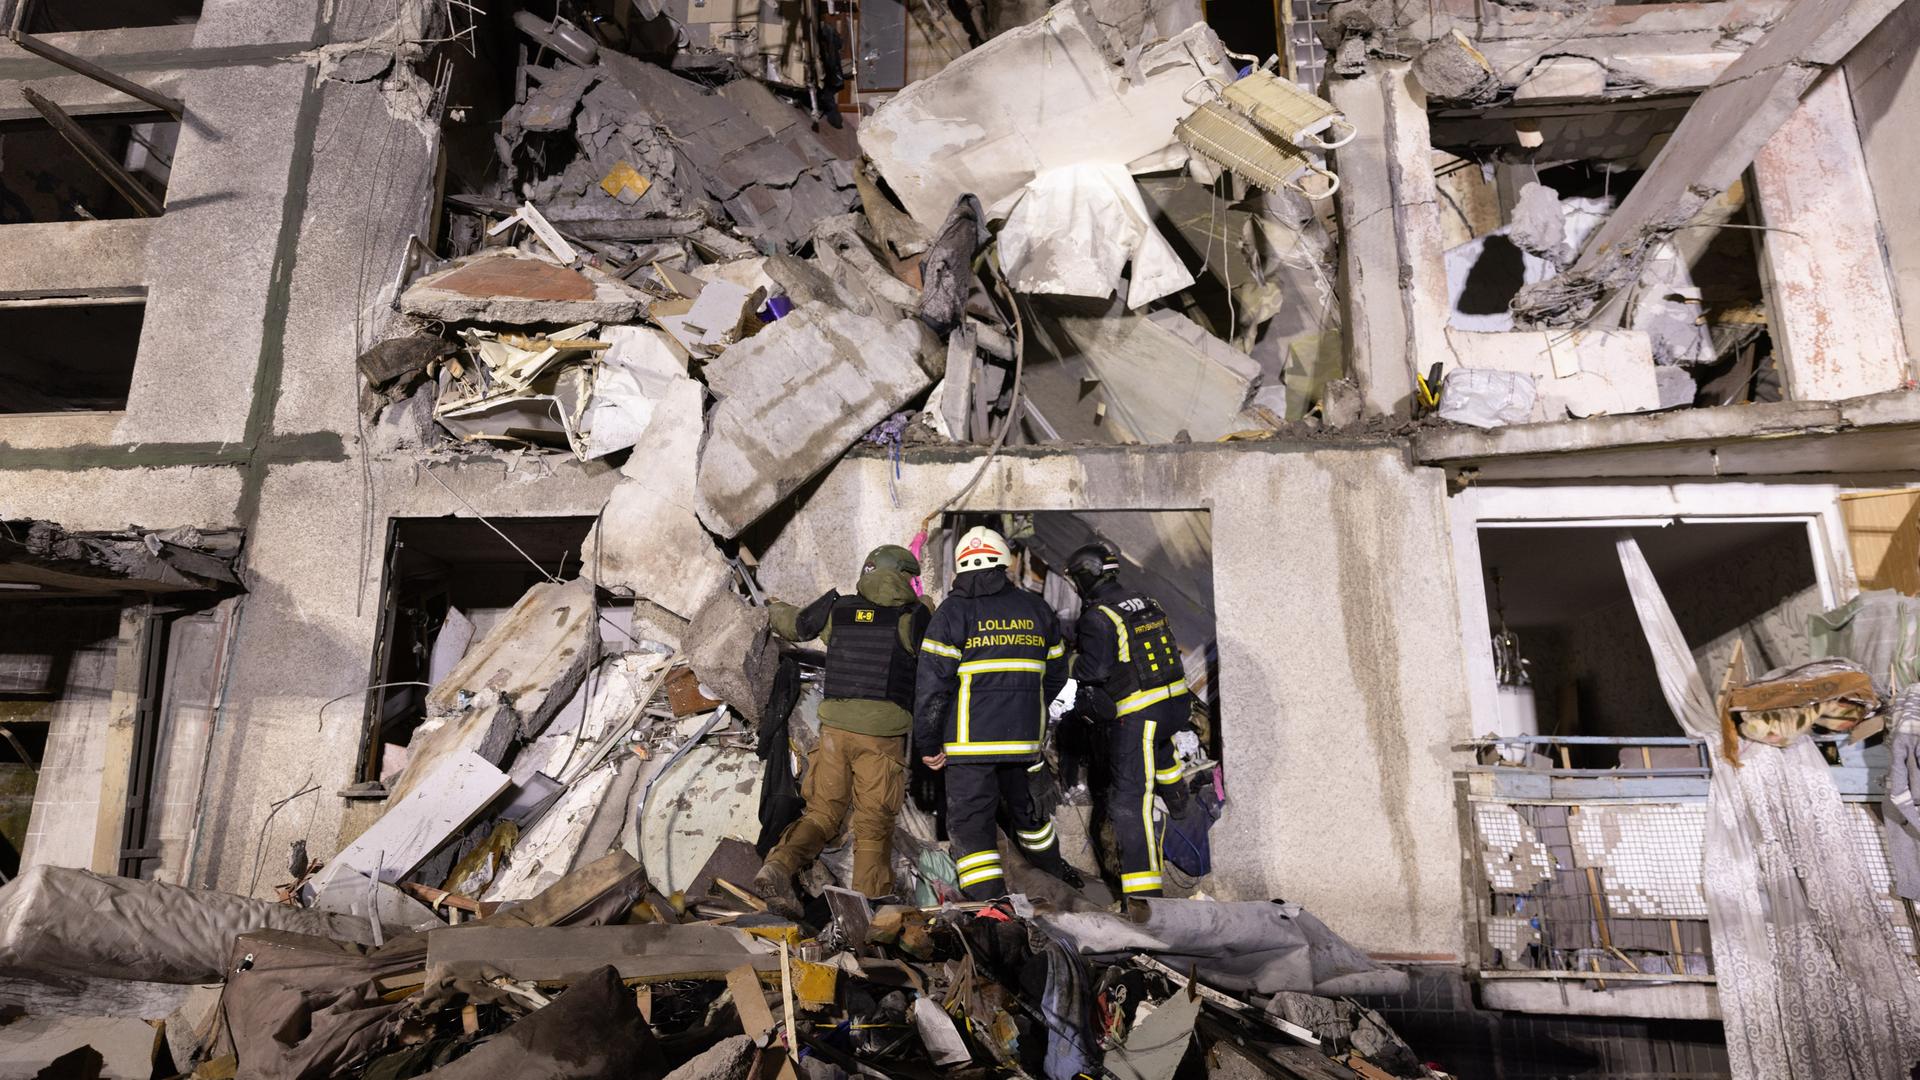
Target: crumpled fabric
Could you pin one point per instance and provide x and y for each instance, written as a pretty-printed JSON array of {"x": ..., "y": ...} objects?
[
  {"x": 1245, "y": 946},
  {"x": 1065, "y": 1007},
  {"x": 1812, "y": 981},
  {"x": 946, "y": 272},
  {"x": 549, "y": 1041},
  {"x": 1074, "y": 230},
  {"x": 60, "y": 920}
]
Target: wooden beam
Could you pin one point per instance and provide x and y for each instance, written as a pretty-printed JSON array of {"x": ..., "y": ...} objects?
[{"x": 172, "y": 106}]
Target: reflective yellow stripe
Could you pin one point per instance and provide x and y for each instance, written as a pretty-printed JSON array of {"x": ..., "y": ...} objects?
[
  {"x": 1119, "y": 632},
  {"x": 1168, "y": 775},
  {"x": 976, "y": 667},
  {"x": 976, "y": 748},
  {"x": 1059, "y": 650},
  {"x": 977, "y": 859},
  {"x": 1038, "y": 838},
  {"x": 1146, "y": 799},
  {"x": 1133, "y": 703},
  {"x": 1140, "y": 882},
  {"x": 977, "y": 876},
  {"x": 939, "y": 648},
  {"x": 963, "y": 710}
]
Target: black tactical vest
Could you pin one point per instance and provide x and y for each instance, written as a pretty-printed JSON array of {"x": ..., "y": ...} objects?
[
  {"x": 865, "y": 660},
  {"x": 1146, "y": 656}
]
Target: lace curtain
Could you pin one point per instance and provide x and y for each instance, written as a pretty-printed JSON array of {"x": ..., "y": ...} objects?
[{"x": 1812, "y": 982}]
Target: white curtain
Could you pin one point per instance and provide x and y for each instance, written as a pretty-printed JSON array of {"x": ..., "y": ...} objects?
[{"x": 1812, "y": 982}]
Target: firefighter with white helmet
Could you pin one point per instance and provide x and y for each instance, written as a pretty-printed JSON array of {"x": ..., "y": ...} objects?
[{"x": 991, "y": 660}]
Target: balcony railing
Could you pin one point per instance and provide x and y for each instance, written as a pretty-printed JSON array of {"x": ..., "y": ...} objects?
[{"x": 1584, "y": 855}]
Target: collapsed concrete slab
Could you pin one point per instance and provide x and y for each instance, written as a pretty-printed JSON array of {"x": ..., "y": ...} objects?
[
  {"x": 731, "y": 649},
  {"x": 648, "y": 540},
  {"x": 1161, "y": 374},
  {"x": 520, "y": 289},
  {"x": 434, "y": 809},
  {"x": 510, "y": 684},
  {"x": 1578, "y": 373},
  {"x": 795, "y": 396}
]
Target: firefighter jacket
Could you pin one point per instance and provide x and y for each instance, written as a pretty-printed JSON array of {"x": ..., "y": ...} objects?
[
  {"x": 872, "y": 642},
  {"x": 1126, "y": 653},
  {"x": 990, "y": 662}
]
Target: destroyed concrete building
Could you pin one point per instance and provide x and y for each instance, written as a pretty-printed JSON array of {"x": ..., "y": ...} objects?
[{"x": 406, "y": 411}]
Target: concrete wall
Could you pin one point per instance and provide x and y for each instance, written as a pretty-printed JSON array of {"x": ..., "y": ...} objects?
[
  {"x": 1883, "y": 74},
  {"x": 1341, "y": 673}
]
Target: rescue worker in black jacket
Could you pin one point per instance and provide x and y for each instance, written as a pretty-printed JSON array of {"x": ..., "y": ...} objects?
[
  {"x": 860, "y": 763},
  {"x": 1133, "y": 690},
  {"x": 989, "y": 664}
]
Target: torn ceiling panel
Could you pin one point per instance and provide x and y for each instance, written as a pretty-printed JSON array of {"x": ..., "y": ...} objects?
[
  {"x": 41, "y": 558},
  {"x": 1040, "y": 97}
]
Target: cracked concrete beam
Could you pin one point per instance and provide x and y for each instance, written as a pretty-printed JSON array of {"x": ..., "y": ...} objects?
[
  {"x": 1392, "y": 244},
  {"x": 1716, "y": 141}
]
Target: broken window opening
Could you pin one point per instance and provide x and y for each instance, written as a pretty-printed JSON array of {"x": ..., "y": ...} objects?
[
  {"x": 1249, "y": 28},
  {"x": 1522, "y": 189},
  {"x": 1165, "y": 554},
  {"x": 43, "y": 178},
  {"x": 448, "y": 581},
  {"x": 57, "y": 661},
  {"x": 78, "y": 356},
  {"x": 66, "y": 16},
  {"x": 1569, "y": 659}
]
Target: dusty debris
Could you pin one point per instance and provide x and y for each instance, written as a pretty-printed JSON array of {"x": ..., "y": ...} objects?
[
  {"x": 47, "y": 556},
  {"x": 520, "y": 289}
]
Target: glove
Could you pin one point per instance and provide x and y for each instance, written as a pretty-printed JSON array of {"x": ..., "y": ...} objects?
[
  {"x": 814, "y": 615},
  {"x": 1044, "y": 790},
  {"x": 1063, "y": 701}
]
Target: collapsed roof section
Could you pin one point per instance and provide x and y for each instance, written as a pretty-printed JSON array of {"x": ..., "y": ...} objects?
[{"x": 42, "y": 559}]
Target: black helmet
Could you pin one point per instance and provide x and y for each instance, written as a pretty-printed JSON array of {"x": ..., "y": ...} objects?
[{"x": 1090, "y": 565}]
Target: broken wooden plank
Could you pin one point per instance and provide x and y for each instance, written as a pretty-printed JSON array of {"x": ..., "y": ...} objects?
[{"x": 648, "y": 951}]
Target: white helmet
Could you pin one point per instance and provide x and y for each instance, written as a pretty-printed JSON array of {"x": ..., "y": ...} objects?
[{"x": 980, "y": 548}]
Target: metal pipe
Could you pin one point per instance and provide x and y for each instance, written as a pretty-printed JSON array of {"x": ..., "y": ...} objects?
[
  {"x": 96, "y": 155},
  {"x": 173, "y": 107}
]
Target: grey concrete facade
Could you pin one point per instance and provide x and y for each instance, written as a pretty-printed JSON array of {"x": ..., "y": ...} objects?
[{"x": 1343, "y": 674}]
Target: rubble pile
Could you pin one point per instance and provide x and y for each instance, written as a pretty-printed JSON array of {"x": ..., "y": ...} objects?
[
  {"x": 599, "y": 975},
  {"x": 557, "y": 883}
]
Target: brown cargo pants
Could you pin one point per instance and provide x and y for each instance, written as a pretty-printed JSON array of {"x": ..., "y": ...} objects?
[{"x": 866, "y": 772}]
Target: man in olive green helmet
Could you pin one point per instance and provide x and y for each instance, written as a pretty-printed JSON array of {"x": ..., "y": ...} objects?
[{"x": 873, "y": 646}]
